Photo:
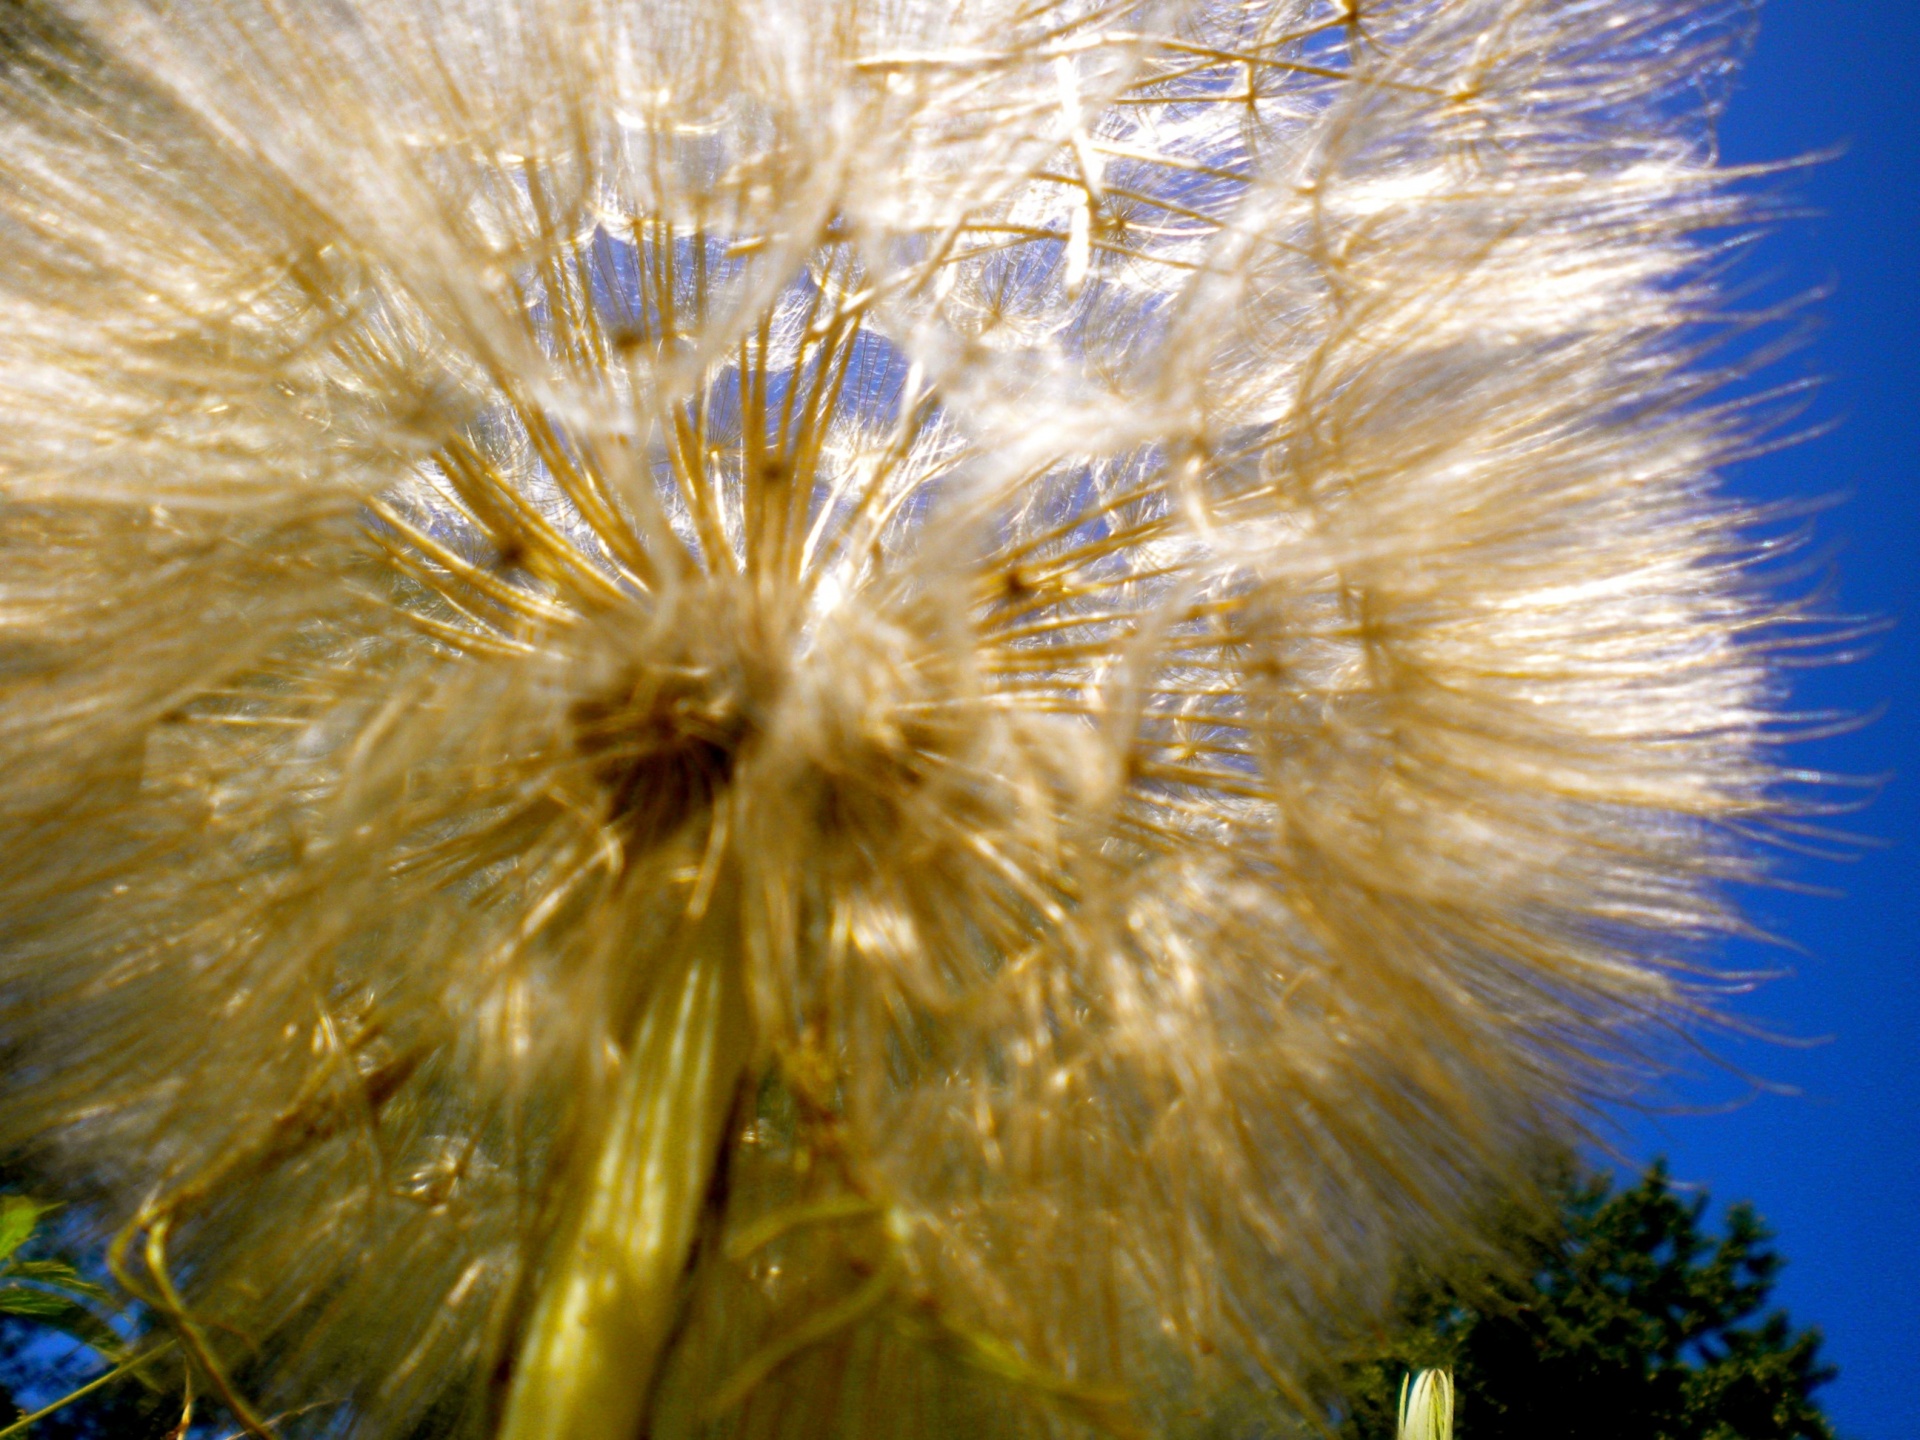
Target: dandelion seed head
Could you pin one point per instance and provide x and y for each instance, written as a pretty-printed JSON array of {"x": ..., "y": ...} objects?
[{"x": 1147, "y": 576}]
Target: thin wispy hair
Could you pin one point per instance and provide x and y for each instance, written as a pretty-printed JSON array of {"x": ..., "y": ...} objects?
[{"x": 1007, "y": 692}]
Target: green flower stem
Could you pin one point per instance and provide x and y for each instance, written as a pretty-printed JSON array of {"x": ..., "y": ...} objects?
[{"x": 605, "y": 1309}]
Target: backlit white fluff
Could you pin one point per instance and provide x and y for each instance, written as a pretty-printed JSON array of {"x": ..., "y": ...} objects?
[{"x": 852, "y": 717}]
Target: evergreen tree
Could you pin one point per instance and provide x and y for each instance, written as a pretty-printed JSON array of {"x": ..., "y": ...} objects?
[{"x": 1628, "y": 1321}]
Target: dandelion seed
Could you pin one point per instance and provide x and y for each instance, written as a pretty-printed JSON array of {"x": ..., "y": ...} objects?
[
  {"x": 756, "y": 717},
  {"x": 1426, "y": 1406}
]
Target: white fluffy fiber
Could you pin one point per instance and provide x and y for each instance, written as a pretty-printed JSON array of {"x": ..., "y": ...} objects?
[{"x": 1159, "y": 562}]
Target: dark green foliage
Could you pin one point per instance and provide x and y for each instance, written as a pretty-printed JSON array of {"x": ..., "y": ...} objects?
[
  {"x": 51, "y": 1291},
  {"x": 54, "y": 1338},
  {"x": 1629, "y": 1323},
  {"x": 33, "y": 1372}
]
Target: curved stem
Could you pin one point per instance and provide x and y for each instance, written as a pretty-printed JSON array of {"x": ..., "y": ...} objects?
[{"x": 606, "y": 1307}]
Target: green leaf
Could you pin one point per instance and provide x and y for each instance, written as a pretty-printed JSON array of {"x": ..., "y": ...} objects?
[
  {"x": 59, "y": 1274},
  {"x": 41, "y": 1304},
  {"x": 62, "y": 1313},
  {"x": 18, "y": 1216}
]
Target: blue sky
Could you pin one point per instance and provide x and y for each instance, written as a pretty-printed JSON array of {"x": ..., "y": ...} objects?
[{"x": 1835, "y": 1168}]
